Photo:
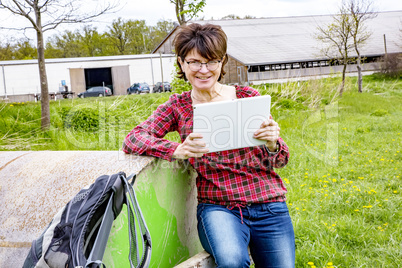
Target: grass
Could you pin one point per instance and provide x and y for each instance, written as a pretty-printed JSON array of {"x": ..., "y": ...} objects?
[
  {"x": 344, "y": 175},
  {"x": 344, "y": 179},
  {"x": 78, "y": 124}
]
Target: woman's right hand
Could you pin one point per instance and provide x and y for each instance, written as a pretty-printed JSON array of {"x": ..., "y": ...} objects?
[{"x": 192, "y": 146}]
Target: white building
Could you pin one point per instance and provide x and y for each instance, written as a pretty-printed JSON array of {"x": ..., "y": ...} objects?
[{"x": 19, "y": 80}]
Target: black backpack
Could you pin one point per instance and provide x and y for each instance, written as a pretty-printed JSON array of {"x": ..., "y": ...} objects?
[{"x": 78, "y": 233}]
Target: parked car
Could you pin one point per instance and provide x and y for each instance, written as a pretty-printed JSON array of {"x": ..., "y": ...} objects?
[
  {"x": 95, "y": 92},
  {"x": 158, "y": 87},
  {"x": 138, "y": 88}
]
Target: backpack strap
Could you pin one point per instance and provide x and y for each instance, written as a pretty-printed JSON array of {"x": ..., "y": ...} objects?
[
  {"x": 131, "y": 177},
  {"x": 135, "y": 259},
  {"x": 123, "y": 193},
  {"x": 119, "y": 193},
  {"x": 99, "y": 246}
]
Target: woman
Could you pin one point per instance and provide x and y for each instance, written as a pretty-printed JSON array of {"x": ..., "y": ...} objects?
[{"x": 241, "y": 199}]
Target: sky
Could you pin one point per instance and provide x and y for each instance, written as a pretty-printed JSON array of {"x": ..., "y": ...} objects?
[{"x": 154, "y": 10}]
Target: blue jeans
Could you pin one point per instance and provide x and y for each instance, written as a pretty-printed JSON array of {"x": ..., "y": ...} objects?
[{"x": 267, "y": 229}]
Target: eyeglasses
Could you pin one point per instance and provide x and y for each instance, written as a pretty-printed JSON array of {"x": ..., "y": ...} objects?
[{"x": 196, "y": 65}]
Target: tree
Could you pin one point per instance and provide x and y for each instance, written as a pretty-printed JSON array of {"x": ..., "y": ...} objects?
[
  {"x": 187, "y": 9},
  {"x": 247, "y": 17},
  {"x": 128, "y": 37},
  {"x": 346, "y": 33},
  {"x": 21, "y": 50},
  {"x": 6, "y": 51},
  {"x": 235, "y": 17},
  {"x": 337, "y": 40},
  {"x": 231, "y": 17},
  {"x": 45, "y": 15},
  {"x": 25, "y": 50},
  {"x": 117, "y": 36},
  {"x": 68, "y": 44},
  {"x": 159, "y": 32},
  {"x": 85, "y": 43},
  {"x": 93, "y": 42},
  {"x": 360, "y": 11}
]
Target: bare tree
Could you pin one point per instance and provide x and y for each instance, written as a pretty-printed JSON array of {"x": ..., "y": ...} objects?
[
  {"x": 187, "y": 9},
  {"x": 346, "y": 33},
  {"x": 337, "y": 39},
  {"x": 360, "y": 11},
  {"x": 45, "y": 15}
]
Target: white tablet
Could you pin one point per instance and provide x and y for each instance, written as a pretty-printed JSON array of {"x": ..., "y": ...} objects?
[{"x": 231, "y": 124}]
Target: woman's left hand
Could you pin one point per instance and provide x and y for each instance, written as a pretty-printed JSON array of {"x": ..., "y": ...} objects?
[{"x": 268, "y": 131}]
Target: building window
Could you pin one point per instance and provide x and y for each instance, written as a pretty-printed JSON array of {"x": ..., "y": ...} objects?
[{"x": 306, "y": 64}]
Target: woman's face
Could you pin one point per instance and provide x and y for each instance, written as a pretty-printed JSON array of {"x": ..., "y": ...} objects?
[{"x": 203, "y": 79}]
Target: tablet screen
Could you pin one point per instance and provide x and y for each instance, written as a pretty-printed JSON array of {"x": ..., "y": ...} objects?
[{"x": 227, "y": 125}]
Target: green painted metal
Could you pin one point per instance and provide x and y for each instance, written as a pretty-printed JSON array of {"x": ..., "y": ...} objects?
[{"x": 167, "y": 197}]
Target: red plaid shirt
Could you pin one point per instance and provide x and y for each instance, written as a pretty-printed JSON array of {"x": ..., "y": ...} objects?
[{"x": 231, "y": 177}]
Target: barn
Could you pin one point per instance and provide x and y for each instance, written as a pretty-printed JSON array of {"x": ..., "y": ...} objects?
[
  {"x": 19, "y": 80},
  {"x": 263, "y": 50}
]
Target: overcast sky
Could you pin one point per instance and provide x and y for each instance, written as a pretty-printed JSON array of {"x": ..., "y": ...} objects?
[{"x": 154, "y": 10}]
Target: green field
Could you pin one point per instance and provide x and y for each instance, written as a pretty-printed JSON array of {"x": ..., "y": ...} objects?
[{"x": 344, "y": 174}]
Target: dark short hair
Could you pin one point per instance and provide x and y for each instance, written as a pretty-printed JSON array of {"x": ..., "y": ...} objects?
[{"x": 209, "y": 40}]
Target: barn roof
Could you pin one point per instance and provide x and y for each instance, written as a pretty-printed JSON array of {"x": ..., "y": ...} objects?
[{"x": 291, "y": 39}]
